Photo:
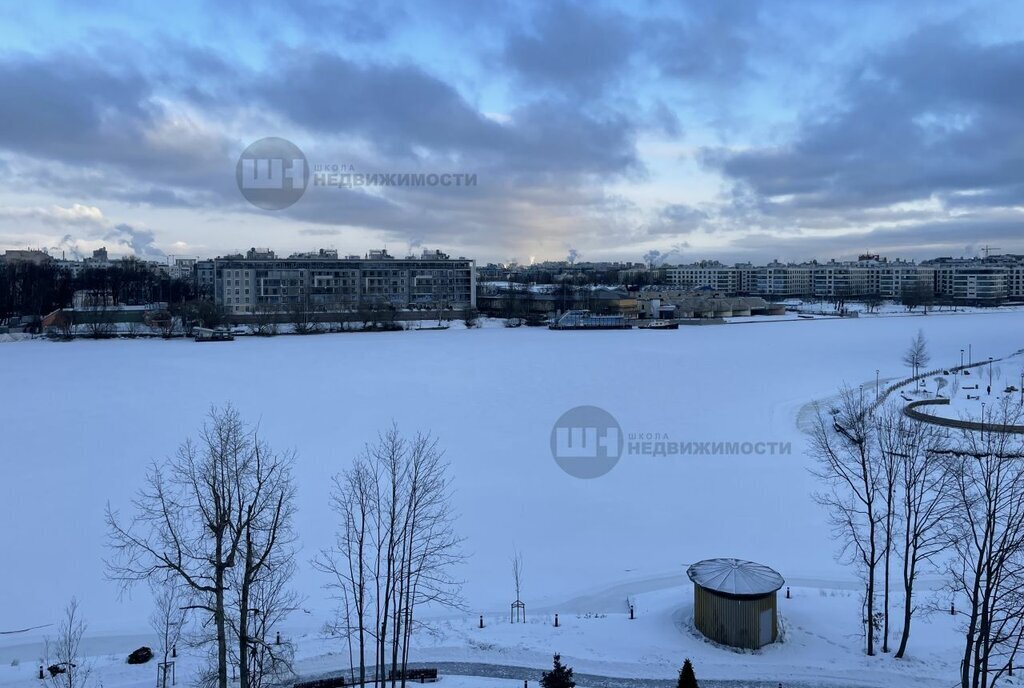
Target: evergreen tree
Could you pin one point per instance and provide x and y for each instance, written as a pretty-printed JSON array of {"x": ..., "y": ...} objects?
[
  {"x": 559, "y": 677},
  {"x": 687, "y": 679}
]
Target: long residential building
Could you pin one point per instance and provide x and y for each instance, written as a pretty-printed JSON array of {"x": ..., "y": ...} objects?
[
  {"x": 323, "y": 280},
  {"x": 987, "y": 280}
]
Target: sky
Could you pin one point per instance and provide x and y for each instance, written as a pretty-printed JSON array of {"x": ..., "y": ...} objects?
[{"x": 737, "y": 130}]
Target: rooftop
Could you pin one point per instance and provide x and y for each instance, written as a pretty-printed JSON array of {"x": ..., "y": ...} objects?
[{"x": 735, "y": 577}]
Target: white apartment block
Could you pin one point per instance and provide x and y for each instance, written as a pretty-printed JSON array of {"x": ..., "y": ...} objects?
[
  {"x": 974, "y": 280},
  {"x": 986, "y": 280}
]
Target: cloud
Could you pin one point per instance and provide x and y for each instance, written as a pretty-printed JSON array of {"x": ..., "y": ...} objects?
[
  {"x": 710, "y": 42},
  {"x": 933, "y": 115},
  {"x": 140, "y": 241},
  {"x": 678, "y": 218},
  {"x": 76, "y": 214},
  {"x": 572, "y": 48}
]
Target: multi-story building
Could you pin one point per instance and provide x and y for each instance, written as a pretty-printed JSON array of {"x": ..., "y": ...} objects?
[
  {"x": 894, "y": 280},
  {"x": 33, "y": 256},
  {"x": 182, "y": 268},
  {"x": 1015, "y": 286},
  {"x": 972, "y": 280},
  {"x": 260, "y": 280},
  {"x": 707, "y": 273},
  {"x": 780, "y": 280}
]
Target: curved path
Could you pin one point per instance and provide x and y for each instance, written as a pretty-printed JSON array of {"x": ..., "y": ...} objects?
[{"x": 533, "y": 676}]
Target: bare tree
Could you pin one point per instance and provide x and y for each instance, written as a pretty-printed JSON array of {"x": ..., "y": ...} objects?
[
  {"x": 917, "y": 356},
  {"x": 917, "y": 484},
  {"x": 353, "y": 499},
  {"x": 302, "y": 316},
  {"x": 844, "y": 448},
  {"x": 99, "y": 323},
  {"x": 517, "y": 574},
  {"x": 162, "y": 322},
  {"x": 170, "y": 608},
  {"x": 69, "y": 669},
  {"x": 221, "y": 502},
  {"x": 888, "y": 434},
  {"x": 985, "y": 536},
  {"x": 394, "y": 549},
  {"x": 264, "y": 320},
  {"x": 265, "y": 566}
]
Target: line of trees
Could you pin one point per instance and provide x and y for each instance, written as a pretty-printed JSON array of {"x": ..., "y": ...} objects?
[
  {"x": 34, "y": 290},
  {"x": 211, "y": 533},
  {"x": 905, "y": 497}
]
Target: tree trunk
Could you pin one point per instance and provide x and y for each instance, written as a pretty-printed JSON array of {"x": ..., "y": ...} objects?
[
  {"x": 243, "y": 624},
  {"x": 909, "y": 572},
  {"x": 885, "y": 594},
  {"x": 871, "y": 599},
  {"x": 222, "y": 636}
]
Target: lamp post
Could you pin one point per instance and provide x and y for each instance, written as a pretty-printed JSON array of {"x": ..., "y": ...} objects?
[
  {"x": 961, "y": 359},
  {"x": 990, "y": 376},
  {"x": 983, "y": 421},
  {"x": 877, "y": 379}
]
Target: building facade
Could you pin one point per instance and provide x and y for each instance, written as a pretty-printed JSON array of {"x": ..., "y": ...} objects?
[
  {"x": 984, "y": 281},
  {"x": 262, "y": 281}
]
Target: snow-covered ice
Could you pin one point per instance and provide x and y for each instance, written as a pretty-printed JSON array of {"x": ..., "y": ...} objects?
[{"x": 81, "y": 421}]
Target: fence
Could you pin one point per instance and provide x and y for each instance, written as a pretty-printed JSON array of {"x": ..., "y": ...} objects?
[{"x": 911, "y": 412}]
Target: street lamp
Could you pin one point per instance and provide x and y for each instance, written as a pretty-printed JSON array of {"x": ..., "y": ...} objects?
[
  {"x": 961, "y": 359},
  {"x": 990, "y": 375},
  {"x": 876, "y": 383}
]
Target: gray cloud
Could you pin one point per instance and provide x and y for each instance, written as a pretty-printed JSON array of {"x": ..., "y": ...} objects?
[
  {"x": 678, "y": 218},
  {"x": 710, "y": 41},
  {"x": 933, "y": 115},
  {"x": 574, "y": 48},
  {"x": 141, "y": 241},
  {"x": 956, "y": 237}
]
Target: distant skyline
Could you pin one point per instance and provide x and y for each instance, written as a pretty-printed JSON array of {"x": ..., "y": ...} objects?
[{"x": 737, "y": 130}]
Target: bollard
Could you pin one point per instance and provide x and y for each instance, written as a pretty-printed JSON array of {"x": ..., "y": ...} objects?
[
  {"x": 526, "y": 684},
  {"x": 174, "y": 650},
  {"x": 556, "y": 620},
  {"x": 277, "y": 640},
  {"x": 952, "y": 609},
  {"x": 787, "y": 592},
  {"x": 481, "y": 621},
  {"x": 41, "y": 677},
  {"x": 631, "y": 614}
]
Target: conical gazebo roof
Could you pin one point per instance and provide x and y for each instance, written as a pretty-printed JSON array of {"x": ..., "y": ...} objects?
[{"x": 735, "y": 577}]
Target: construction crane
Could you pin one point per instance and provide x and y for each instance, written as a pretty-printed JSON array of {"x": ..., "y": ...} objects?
[{"x": 989, "y": 249}]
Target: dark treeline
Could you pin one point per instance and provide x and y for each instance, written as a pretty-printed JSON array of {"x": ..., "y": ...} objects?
[{"x": 27, "y": 289}]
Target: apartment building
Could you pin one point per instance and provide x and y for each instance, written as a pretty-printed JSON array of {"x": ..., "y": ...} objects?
[
  {"x": 258, "y": 280},
  {"x": 705, "y": 274},
  {"x": 982, "y": 281},
  {"x": 870, "y": 275},
  {"x": 782, "y": 280}
]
